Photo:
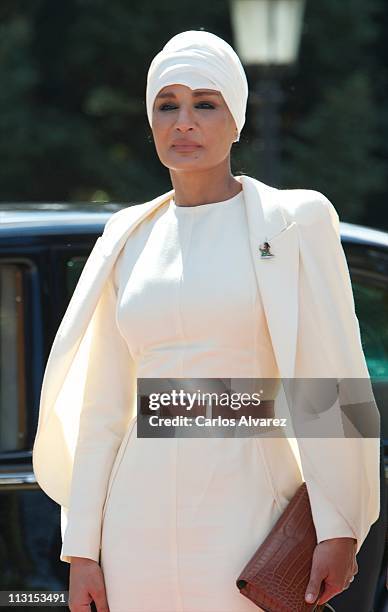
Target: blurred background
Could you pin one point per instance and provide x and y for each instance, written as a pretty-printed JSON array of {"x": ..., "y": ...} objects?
[{"x": 73, "y": 123}]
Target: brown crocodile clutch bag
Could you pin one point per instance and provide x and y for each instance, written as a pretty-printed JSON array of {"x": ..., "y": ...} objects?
[{"x": 277, "y": 575}]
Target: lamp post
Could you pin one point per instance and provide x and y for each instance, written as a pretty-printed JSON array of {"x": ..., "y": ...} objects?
[{"x": 267, "y": 35}]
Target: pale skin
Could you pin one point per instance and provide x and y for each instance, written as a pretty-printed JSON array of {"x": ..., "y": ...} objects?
[{"x": 201, "y": 174}]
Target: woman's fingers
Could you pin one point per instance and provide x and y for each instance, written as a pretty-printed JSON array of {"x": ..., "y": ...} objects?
[
  {"x": 332, "y": 569},
  {"x": 86, "y": 585},
  {"x": 99, "y": 596}
]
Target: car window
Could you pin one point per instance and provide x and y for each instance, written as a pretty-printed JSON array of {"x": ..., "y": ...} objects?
[
  {"x": 74, "y": 267},
  {"x": 371, "y": 300},
  {"x": 13, "y": 427},
  {"x": 372, "y": 307}
]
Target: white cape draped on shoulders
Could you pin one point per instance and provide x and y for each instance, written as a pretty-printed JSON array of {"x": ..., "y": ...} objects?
[{"x": 309, "y": 306}]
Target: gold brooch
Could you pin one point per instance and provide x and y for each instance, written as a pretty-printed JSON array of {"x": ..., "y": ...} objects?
[{"x": 265, "y": 250}]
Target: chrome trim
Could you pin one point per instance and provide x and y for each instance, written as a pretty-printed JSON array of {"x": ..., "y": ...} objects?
[{"x": 17, "y": 478}]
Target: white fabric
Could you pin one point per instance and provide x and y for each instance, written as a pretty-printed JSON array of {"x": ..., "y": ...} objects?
[
  {"x": 309, "y": 308},
  {"x": 187, "y": 512},
  {"x": 198, "y": 60},
  {"x": 180, "y": 321}
]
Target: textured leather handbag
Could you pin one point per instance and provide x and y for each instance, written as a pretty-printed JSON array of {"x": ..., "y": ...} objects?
[{"x": 277, "y": 575}]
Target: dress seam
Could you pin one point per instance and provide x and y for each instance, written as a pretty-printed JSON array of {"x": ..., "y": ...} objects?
[
  {"x": 185, "y": 340},
  {"x": 180, "y": 315},
  {"x": 178, "y": 579}
]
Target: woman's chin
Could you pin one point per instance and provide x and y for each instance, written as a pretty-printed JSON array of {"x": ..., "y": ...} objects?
[{"x": 186, "y": 164}]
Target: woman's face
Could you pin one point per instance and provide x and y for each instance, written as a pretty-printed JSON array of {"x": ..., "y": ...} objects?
[{"x": 192, "y": 129}]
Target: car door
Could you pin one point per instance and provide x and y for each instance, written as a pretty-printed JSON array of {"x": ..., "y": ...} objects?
[
  {"x": 368, "y": 264},
  {"x": 37, "y": 277}
]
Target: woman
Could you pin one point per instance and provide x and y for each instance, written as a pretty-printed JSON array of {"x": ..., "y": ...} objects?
[{"x": 220, "y": 277}]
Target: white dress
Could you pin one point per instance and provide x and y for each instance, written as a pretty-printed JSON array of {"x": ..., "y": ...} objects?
[{"x": 183, "y": 515}]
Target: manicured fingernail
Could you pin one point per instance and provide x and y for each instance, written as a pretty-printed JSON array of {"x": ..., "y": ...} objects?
[{"x": 309, "y": 597}]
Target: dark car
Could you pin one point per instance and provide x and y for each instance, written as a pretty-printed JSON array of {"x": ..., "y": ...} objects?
[{"x": 43, "y": 248}]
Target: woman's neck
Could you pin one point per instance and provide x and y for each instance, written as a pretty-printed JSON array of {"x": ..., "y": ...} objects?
[{"x": 196, "y": 188}]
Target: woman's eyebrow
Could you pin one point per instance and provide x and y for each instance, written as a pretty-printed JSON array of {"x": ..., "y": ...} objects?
[{"x": 196, "y": 94}]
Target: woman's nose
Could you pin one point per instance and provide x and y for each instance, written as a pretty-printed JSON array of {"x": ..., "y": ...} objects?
[{"x": 185, "y": 120}]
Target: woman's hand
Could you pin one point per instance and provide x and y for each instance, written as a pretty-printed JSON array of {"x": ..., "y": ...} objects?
[
  {"x": 86, "y": 584},
  {"x": 334, "y": 563}
]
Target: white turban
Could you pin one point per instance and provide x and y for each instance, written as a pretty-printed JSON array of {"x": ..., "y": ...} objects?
[{"x": 200, "y": 60}]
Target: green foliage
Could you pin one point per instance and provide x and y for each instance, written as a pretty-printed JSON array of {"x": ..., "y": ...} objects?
[
  {"x": 73, "y": 121},
  {"x": 73, "y": 75},
  {"x": 334, "y": 138},
  {"x": 334, "y": 146}
]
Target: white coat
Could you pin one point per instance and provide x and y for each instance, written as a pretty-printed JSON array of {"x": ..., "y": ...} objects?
[{"x": 309, "y": 306}]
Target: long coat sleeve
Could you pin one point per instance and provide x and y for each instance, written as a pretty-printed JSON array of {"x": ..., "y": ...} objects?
[
  {"x": 106, "y": 412},
  {"x": 341, "y": 472}
]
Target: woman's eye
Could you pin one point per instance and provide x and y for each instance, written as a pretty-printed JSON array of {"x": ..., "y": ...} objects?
[
  {"x": 166, "y": 107},
  {"x": 205, "y": 105}
]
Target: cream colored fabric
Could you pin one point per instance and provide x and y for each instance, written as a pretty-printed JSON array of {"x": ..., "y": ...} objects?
[
  {"x": 198, "y": 60},
  {"x": 308, "y": 305},
  {"x": 176, "y": 507}
]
